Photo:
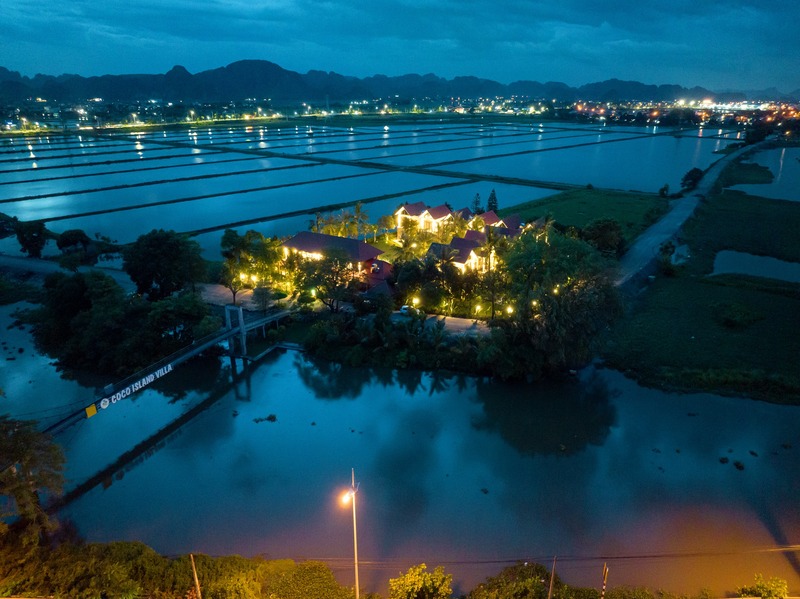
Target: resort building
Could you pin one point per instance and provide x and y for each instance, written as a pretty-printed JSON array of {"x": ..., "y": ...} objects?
[
  {"x": 430, "y": 220},
  {"x": 314, "y": 246}
]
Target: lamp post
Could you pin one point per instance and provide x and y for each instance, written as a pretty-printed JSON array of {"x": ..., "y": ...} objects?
[{"x": 351, "y": 496}]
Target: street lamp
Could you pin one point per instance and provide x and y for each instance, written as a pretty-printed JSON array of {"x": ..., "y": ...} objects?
[{"x": 346, "y": 498}]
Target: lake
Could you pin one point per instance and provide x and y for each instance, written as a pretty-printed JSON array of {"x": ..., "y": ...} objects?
[{"x": 453, "y": 470}]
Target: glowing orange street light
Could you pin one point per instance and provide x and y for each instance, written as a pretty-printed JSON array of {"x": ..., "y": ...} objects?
[{"x": 347, "y": 497}]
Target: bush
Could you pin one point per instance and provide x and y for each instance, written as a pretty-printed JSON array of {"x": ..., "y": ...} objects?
[{"x": 774, "y": 588}]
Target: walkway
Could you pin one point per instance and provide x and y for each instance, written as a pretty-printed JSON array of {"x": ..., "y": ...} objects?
[{"x": 644, "y": 251}]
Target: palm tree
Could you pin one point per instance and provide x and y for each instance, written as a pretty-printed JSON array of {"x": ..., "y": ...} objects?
[
  {"x": 477, "y": 224},
  {"x": 316, "y": 224},
  {"x": 347, "y": 224},
  {"x": 369, "y": 228},
  {"x": 386, "y": 222},
  {"x": 330, "y": 225},
  {"x": 459, "y": 225},
  {"x": 404, "y": 251},
  {"x": 360, "y": 218}
]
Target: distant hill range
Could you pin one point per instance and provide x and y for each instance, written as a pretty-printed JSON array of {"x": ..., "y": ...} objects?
[{"x": 262, "y": 79}]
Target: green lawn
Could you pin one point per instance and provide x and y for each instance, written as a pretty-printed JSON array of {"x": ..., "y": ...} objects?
[{"x": 635, "y": 212}]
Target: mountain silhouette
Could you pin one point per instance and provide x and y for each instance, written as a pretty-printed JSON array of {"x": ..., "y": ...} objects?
[{"x": 261, "y": 79}]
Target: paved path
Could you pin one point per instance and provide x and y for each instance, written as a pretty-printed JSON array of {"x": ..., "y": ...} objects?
[{"x": 644, "y": 250}]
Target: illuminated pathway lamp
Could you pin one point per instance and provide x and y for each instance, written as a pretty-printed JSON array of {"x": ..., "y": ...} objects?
[{"x": 347, "y": 497}]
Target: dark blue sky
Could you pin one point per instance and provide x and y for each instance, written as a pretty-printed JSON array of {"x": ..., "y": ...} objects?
[{"x": 730, "y": 44}]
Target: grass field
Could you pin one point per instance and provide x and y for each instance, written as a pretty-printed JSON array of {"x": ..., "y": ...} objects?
[
  {"x": 727, "y": 334},
  {"x": 577, "y": 208},
  {"x": 737, "y": 221}
]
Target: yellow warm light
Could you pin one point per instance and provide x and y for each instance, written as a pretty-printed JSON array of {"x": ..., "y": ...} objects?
[
  {"x": 345, "y": 498},
  {"x": 415, "y": 301},
  {"x": 555, "y": 290},
  {"x": 510, "y": 310}
]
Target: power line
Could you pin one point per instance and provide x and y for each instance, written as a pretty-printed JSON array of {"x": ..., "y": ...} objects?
[{"x": 561, "y": 558}]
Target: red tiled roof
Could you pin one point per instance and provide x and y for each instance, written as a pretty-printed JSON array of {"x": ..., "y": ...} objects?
[
  {"x": 438, "y": 212},
  {"x": 490, "y": 218},
  {"x": 414, "y": 209},
  {"x": 448, "y": 252},
  {"x": 464, "y": 245},
  {"x": 512, "y": 221},
  {"x": 477, "y": 236},
  {"x": 319, "y": 243}
]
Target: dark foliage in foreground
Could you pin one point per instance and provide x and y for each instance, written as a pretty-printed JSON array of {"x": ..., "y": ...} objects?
[{"x": 125, "y": 569}]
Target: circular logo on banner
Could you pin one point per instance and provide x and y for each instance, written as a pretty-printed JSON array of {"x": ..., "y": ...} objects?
[{"x": 104, "y": 403}]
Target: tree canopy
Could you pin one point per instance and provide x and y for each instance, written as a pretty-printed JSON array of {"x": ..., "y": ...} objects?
[
  {"x": 88, "y": 322},
  {"x": 691, "y": 178},
  {"x": 163, "y": 262},
  {"x": 30, "y": 464},
  {"x": 522, "y": 581},
  {"x": 249, "y": 260},
  {"x": 31, "y": 235},
  {"x": 331, "y": 279},
  {"x": 418, "y": 583}
]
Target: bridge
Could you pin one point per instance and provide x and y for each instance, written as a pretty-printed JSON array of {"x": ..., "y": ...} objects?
[{"x": 235, "y": 332}]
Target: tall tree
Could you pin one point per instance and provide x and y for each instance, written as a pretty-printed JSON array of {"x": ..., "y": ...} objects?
[
  {"x": 233, "y": 279},
  {"x": 386, "y": 223},
  {"x": 331, "y": 278},
  {"x": 476, "y": 205},
  {"x": 491, "y": 203},
  {"x": 163, "y": 262},
  {"x": 360, "y": 218}
]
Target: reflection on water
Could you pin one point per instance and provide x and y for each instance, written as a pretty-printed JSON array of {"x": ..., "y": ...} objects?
[
  {"x": 551, "y": 418},
  {"x": 784, "y": 164},
  {"x": 208, "y": 188},
  {"x": 728, "y": 261},
  {"x": 456, "y": 469}
]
